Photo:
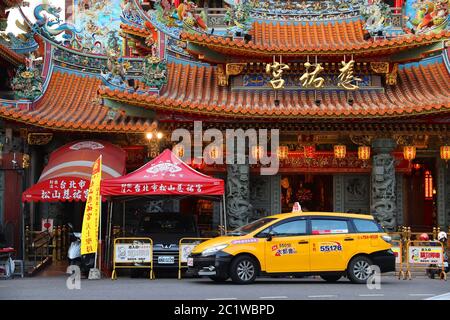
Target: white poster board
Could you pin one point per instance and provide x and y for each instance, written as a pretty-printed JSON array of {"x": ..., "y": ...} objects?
[
  {"x": 133, "y": 252},
  {"x": 425, "y": 255},
  {"x": 186, "y": 249}
]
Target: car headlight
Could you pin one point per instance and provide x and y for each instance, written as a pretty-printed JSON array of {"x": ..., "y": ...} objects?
[
  {"x": 213, "y": 250},
  {"x": 388, "y": 239}
]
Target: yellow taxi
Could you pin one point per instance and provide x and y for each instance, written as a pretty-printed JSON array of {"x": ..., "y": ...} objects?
[{"x": 331, "y": 245}]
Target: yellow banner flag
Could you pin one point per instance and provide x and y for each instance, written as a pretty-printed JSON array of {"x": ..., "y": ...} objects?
[{"x": 89, "y": 231}]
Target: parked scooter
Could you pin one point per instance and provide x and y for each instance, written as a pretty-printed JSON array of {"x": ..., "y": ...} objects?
[
  {"x": 435, "y": 269},
  {"x": 85, "y": 262}
]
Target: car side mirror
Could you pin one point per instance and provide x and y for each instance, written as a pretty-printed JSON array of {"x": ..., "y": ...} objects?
[{"x": 269, "y": 236}]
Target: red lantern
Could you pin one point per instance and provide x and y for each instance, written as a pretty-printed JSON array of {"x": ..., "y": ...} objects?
[
  {"x": 309, "y": 151},
  {"x": 363, "y": 152},
  {"x": 340, "y": 151},
  {"x": 445, "y": 153},
  {"x": 409, "y": 152},
  {"x": 257, "y": 152},
  {"x": 215, "y": 153},
  {"x": 178, "y": 150},
  {"x": 282, "y": 152}
]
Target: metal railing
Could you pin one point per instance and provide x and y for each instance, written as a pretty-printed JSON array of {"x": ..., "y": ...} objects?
[{"x": 38, "y": 250}]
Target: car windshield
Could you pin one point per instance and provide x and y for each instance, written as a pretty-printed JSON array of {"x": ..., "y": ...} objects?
[
  {"x": 251, "y": 227},
  {"x": 167, "y": 224}
]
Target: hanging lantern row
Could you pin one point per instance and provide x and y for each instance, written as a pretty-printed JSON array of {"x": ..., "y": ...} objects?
[
  {"x": 257, "y": 152},
  {"x": 309, "y": 151},
  {"x": 445, "y": 153},
  {"x": 178, "y": 150},
  {"x": 409, "y": 152},
  {"x": 283, "y": 152},
  {"x": 340, "y": 151},
  {"x": 215, "y": 153},
  {"x": 363, "y": 152}
]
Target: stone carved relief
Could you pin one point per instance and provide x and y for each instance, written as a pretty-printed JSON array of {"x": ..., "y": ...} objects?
[
  {"x": 239, "y": 208},
  {"x": 356, "y": 189},
  {"x": 383, "y": 191},
  {"x": 260, "y": 197}
]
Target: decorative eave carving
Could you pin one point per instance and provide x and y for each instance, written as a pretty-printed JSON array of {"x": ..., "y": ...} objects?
[
  {"x": 39, "y": 139},
  {"x": 380, "y": 67},
  {"x": 231, "y": 69},
  {"x": 391, "y": 77}
]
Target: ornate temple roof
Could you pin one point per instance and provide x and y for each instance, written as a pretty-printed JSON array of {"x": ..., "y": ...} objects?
[
  {"x": 421, "y": 88},
  {"x": 302, "y": 38},
  {"x": 134, "y": 30},
  {"x": 11, "y": 56},
  {"x": 74, "y": 109}
]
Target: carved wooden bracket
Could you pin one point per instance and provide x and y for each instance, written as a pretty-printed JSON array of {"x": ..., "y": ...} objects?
[
  {"x": 380, "y": 67},
  {"x": 231, "y": 69},
  {"x": 39, "y": 139},
  {"x": 391, "y": 77}
]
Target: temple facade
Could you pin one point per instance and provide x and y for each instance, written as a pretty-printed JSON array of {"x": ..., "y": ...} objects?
[{"x": 359, "y": 91}]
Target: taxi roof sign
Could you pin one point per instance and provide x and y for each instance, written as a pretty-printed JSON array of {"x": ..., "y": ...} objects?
[{"x": 297, "y": 207}]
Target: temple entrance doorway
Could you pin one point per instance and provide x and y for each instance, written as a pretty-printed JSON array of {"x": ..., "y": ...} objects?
[
  {"x": 420, "y": 210},
  {"x": 314, "y": 192}
]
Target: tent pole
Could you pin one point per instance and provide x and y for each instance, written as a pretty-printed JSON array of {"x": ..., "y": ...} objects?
[
  {"x": 108, "y": 233},
  {"x": 99, "y": 249},
  {"x": 123, "y": 224},
  {"x": 224, "y": 213}
]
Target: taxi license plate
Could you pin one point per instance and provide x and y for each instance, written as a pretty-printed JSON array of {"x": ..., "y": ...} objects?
[
  {"x": 190, "y": 262},
  {"x": 166, "y": 260}
]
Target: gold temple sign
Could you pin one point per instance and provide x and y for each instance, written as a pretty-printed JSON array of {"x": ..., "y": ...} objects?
[
  {"x": 309, "y": 79},
  {"x": 276, "y": 70},
  {"x": 347, "y": 76}
]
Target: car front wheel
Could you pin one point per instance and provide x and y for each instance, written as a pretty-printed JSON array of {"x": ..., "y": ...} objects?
[
  {"x": 359, "y": 269},
  {"x": 243, "y": 270}
]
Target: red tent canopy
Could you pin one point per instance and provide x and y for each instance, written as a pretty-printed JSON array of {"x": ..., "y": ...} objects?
[
  {"x": 165, "y": 175},
  {"x": 67, "y": 175}
]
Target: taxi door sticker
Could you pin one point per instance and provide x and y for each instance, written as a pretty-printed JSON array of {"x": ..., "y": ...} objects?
[
  {"x": 283, "y": 249},
  {"x": 330, "y": 246}
]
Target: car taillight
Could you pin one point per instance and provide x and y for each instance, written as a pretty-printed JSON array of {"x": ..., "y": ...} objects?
[{"x": 388, "y": 239}]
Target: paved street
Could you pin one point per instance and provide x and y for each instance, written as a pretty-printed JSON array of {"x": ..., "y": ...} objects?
[{"x": 199, "y": 289}]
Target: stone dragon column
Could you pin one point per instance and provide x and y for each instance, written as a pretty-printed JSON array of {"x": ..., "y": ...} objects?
[
  {"x": 238, "y": 195},
  {"x": 383, "y": 197}
]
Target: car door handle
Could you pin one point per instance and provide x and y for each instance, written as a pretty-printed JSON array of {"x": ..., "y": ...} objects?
[
  {"x": 349, "y": 239},
  {"x": 303, "y": 242}
]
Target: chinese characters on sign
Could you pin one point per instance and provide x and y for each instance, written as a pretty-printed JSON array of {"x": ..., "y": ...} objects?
[
  {"x": 311, "y": 77},
  {"x": 347, "y": 77},
  {"x": 146, "y": 188},
  {"x": 65, "y": 190},
  {"x": 276, "y": 70},
  {"x": 425, "y": 255},
  {"x": 89, "y": 232}
]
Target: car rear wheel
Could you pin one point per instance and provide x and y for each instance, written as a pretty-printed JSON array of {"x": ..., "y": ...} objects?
[
  {"x": 243, "y": 270},
  {"x": 330, "y": 278},
  {"x": 218, "y": 279},
  {"x": 359, "y": 269}
]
